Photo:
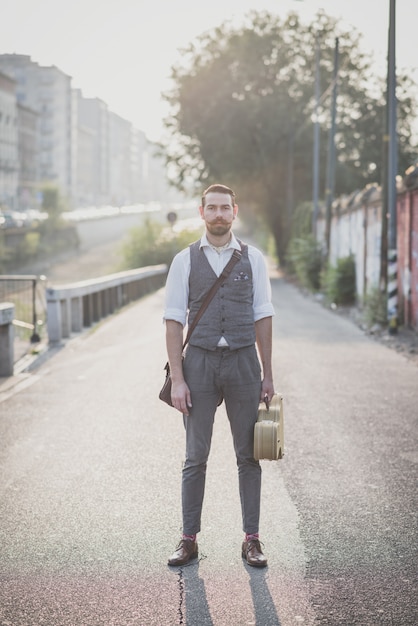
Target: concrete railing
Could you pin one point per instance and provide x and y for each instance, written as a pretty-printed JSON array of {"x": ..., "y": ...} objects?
[
  {"x": 7, "y": 313},
  {"x": 71, "y": 308}
]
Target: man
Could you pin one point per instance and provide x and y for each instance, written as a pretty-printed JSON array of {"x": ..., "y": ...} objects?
[{"x": 220, "y": 361}]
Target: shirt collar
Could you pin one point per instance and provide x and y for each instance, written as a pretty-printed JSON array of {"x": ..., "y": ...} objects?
[{"x": 232, "y": 244}]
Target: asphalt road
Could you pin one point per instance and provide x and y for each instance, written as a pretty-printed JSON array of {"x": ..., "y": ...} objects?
[{"x": 90, "y": 486}]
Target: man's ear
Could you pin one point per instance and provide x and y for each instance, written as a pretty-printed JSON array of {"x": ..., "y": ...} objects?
[{"x": 235, "y": 210}]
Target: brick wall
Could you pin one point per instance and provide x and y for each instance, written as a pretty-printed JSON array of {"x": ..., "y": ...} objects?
[
  {"x": 407, "y": 240},
  {"x": 356, "y": 229}
]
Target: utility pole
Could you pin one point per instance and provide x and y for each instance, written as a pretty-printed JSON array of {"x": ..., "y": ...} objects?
[
  {"x": 392, "y": 289},
  {"x": 383, "y": 277},
  {"x": 315, "y": 173},
  {"x": 330, "y": 184},
  {"x": 290, "y": 174}
]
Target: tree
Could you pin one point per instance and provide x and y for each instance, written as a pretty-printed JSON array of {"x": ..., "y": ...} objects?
[{"x": 241, "y": 110}]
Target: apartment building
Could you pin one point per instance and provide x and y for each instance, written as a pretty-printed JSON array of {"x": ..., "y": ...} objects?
[
  {"x": 93, "y": 118},
  {"x": 120, "y": 154},
  {"x": 28, "y": 191},
  {"x": 85, "y": 195},
  {"x": 9, "y": 164},
  {"x": 47, "y": 91},
  {"x": 138, "y": 171},
  {"x": 51, "y": 133}
]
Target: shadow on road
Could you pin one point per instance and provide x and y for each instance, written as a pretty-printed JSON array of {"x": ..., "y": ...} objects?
[
  {"x": 194, "y": 609},
  {"x": 264, "y": 608},
  {"x": 194, "y": 598}
]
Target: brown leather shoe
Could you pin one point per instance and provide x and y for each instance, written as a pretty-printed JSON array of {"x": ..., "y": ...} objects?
[
  {"x": 185, "y": 551},
  {"x": 253, "y": 554}
]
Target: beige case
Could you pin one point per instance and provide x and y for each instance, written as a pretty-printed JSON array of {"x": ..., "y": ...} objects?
[{"x": 268, "y": 431}]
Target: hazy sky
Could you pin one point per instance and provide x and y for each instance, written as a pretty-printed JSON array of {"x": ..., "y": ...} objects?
[{"x": 122, "y": 50}]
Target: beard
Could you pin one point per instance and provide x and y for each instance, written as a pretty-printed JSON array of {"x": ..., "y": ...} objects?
[{"x": 218, "y": 229}]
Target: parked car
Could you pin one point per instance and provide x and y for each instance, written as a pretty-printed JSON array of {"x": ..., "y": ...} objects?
[
  {"x": 8, "y": 219},
  {"x": 12, "y": 219}
]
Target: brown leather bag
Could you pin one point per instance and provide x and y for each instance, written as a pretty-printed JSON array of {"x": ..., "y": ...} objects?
[{"x": 165, "y": 393}]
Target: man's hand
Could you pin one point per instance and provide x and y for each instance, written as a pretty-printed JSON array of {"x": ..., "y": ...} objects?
[
  {"x": 180, "y": 397},
  {"x": 263, "y": 331},
  {"x": 180, "y": 393},
  {"x": 267, "y": 389}
]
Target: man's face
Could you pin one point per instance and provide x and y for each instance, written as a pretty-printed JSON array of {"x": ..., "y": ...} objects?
[{"x": 218, "y": 213}]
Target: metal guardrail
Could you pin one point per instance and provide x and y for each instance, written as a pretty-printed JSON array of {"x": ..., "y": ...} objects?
[
  {"x": 70, "y": 308},
  {"x": 27, "y": 293},
  {"x": 27, "y": 307}
]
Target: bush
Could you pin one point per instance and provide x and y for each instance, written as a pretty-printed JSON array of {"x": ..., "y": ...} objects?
[
  {"x": 152, "y": 244},
  {"x": 340, "y": 281},
  {"x": 31, "y": 244},
  {"x": 304, "y": 259},
  {"x": 375, "y": 307}
]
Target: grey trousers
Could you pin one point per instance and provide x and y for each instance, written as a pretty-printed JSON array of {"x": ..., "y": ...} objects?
[{"x": 236, "y": 374}]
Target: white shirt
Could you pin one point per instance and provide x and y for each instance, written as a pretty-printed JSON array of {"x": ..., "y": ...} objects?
[{"x": 177, "y": 285}]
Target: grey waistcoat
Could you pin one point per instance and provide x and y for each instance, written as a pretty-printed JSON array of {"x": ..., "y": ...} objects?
[{"x": 230, "y": 313}]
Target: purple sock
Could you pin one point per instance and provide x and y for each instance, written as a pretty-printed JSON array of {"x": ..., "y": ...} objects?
[{"x": 251, "y": 536}]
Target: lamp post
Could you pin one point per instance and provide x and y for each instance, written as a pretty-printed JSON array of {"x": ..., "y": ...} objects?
[
  {"x": 330, "y": 180},
  {"x": 315, "y": 165},
  {"x": 316, "y": 146},
  {"x": 392, "y": 283}
]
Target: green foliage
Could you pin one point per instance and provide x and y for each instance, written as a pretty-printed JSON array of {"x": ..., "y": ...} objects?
[
  {"x": 31, "y": 243},
  {"x": 340, "y": 281},
  {"x": 18, "y": 249},
  {"x": 3, "y": 252},
  {"x": 140, "y": 250},
  {"x": 26, "y": 247},
  {"x": 253, "y": 229},
  {"x": 304, "y": 259},
  {"x": 53, "y": 204},
  {"x": 152, "y": 244},
  {"x": 375, "y": 307},
  {"x": 242, "y": 104},
  {"x": 302, "y": 220},
  {"x": 59, "y": 239}
]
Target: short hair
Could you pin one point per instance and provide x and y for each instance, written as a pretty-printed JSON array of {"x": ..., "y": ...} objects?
[{"x": 217, "y": 188}]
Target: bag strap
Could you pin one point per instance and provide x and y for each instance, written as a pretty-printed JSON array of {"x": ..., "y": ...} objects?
[{"x": 236, "y": 255}]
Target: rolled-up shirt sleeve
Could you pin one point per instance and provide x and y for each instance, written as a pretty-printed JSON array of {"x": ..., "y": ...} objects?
[
  {"x": 177, "y": 288},
  {"x": 262, "y": 305}
]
